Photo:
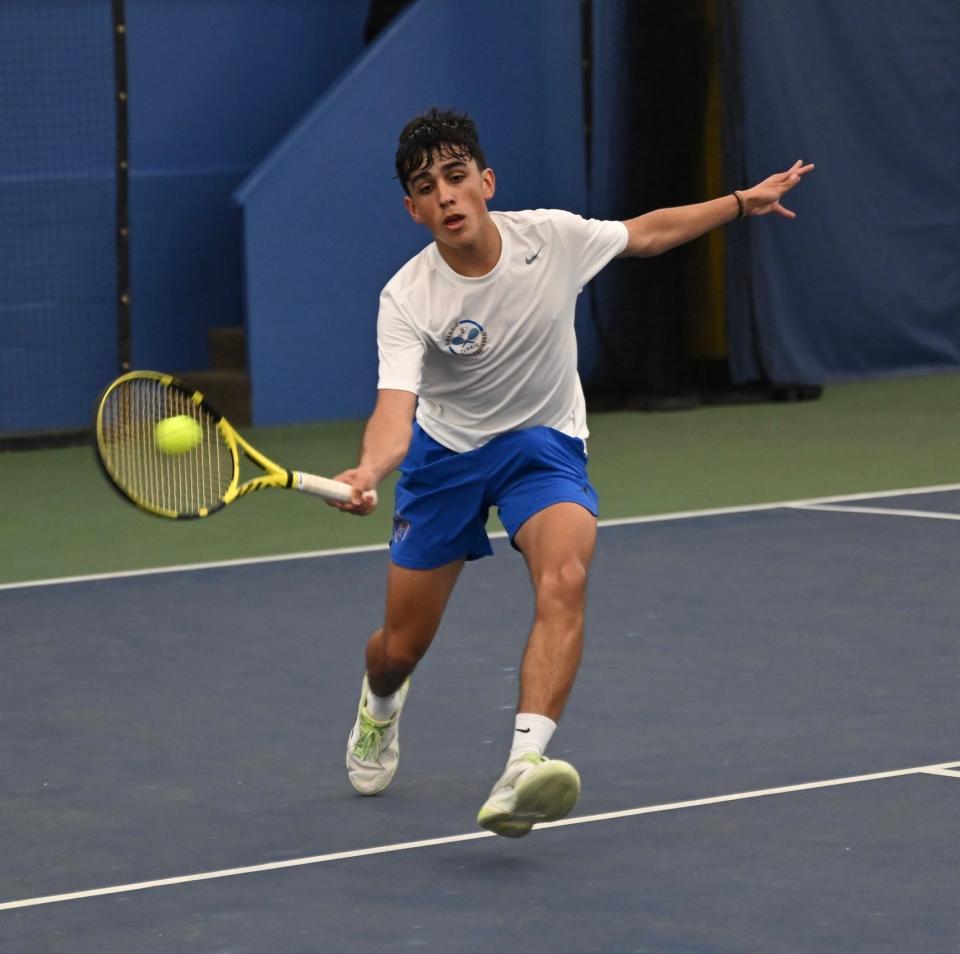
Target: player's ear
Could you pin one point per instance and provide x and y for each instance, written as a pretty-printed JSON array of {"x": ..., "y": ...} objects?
[
  {"x": 489, "y": 183},
  {"x": 411, "y": 208}
]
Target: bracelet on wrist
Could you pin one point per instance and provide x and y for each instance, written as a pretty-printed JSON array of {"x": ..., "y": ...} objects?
[{"x": 741, "y": 204}]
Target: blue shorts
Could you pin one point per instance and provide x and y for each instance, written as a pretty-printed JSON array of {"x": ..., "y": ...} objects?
[{"x": 443, "y": 498}]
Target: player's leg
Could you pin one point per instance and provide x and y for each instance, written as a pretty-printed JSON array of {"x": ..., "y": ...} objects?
[
  {"x": 416, "y": 600},
  {"x": 557, "y": 544},
  {"x": 439, "y": 522},
  {"x": 415, "y": 603}
]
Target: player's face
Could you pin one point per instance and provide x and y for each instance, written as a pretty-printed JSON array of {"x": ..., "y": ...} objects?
[{"x": 450, "y": 198}]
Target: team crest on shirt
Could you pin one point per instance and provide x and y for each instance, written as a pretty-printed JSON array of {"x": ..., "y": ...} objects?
[{"x": 466, "y": 337}]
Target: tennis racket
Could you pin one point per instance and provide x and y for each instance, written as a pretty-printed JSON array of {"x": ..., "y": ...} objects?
[{"x": 197, "y": 481}]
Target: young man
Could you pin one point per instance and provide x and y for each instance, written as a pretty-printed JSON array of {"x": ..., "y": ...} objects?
[{"x": 479, "y": 404}]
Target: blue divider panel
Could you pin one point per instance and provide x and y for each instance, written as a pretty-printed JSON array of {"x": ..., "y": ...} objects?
[
  {"x": 213, "y": 85},
  {"x": 865, "y": 282},
  {"x": 324, "y": 223}
]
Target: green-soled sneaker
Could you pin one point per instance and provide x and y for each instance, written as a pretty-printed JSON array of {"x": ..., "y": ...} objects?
[
  {"x": 532, "y": 789},
  {"x": 373, "y": 748}
]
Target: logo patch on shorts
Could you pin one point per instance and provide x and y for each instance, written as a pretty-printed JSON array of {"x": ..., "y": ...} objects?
[
  {"x": 466, "y": 337},
  {"x": 401, "y": 528}
]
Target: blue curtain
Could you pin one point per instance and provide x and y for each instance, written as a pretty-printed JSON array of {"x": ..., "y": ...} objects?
[{"x": 867, "y": 280}]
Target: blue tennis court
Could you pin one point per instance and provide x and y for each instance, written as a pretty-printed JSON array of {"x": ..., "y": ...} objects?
[
  {"x": 329, "y": 218},
  {"x": 765, "y": 724}
]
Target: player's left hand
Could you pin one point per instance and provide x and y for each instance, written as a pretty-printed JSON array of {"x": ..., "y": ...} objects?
[{"x": 765, "y": 197}]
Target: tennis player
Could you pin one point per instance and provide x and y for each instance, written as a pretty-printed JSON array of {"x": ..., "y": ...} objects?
[{"x": 480, "y": 405}]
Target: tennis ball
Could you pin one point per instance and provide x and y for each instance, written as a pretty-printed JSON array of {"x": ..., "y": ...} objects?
[{"x": 177, "y": 435}]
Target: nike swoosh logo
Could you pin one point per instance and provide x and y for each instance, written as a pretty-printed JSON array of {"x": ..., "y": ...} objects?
[
  {"x": 530, "y": 259},
  {"x": 523, "y": 730}
]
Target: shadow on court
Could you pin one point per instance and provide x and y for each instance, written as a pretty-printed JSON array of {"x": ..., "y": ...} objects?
[{"x": 173, "y": 724}]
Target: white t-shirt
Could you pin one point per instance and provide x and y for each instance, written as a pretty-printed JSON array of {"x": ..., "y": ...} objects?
[{"x": 497, "y": 353}]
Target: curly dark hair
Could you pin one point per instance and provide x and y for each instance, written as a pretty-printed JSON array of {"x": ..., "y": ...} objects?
[{"x": 449, "y": 134}]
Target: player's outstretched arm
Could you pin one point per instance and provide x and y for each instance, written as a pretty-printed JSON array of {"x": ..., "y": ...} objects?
[
  {"x": 385, "y": 442},
  {"x": 658, "y": 231}
]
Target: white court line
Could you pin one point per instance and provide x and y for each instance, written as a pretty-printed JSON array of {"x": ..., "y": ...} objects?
[
  {"x": 940, "y": 770},
  {"x": 472, "y": 836},
  {"x": 371, "y": 548},
  {"x": 881, "y": 511},
  {"x": 189, "y": 567}
]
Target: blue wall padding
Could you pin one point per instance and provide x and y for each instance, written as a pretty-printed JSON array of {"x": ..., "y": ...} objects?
[
  {"x": 213, "y": 85},
  {"x": 58, "y": 292},
  {"x": 866, "y": 280},
  {"x": 324, "y": 224}
]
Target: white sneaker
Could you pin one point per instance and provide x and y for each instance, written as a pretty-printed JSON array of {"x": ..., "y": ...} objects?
[
  {"x": 373, "y": 748},
  {"x": 532, "y": 789}
]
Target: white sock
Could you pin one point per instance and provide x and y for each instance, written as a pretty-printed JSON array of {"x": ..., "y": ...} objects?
[
  {"x": 381, "y": 708},
  {"x": 531, "y": 733}
]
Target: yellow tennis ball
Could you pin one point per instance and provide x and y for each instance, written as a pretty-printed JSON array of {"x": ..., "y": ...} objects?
[{"x": 177, "y": 435}]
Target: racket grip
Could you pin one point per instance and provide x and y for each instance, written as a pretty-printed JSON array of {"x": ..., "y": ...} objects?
[{"x": 328, "y": 489}]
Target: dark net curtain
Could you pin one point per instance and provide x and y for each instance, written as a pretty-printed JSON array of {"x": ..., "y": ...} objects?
[
  {"x": 379, "y": 15},
  {"x": 649, "y": 63}
]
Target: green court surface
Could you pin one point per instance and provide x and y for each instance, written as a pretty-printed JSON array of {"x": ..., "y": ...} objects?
[{"x": 60, "y": 518}]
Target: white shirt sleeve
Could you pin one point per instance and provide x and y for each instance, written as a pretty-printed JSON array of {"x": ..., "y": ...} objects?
[
  {"x": 401, "y": 349},
  {"x": 591, "y": 243}
]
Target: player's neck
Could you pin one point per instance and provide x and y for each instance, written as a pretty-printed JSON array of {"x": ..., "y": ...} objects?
[{"x": 480, "y": 257}]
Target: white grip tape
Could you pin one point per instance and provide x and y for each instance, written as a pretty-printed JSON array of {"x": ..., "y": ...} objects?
[{"x": 326, "y": 488}]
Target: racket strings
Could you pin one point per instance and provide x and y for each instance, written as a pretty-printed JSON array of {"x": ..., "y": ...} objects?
[{"x": 182, "y": 484}]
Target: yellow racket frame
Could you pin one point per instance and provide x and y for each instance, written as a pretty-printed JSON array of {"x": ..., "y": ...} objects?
[{"x": 274, "y": 475}]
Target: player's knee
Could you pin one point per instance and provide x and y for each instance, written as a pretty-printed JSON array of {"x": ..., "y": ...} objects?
[
  {"x": 399, "y": 655},
  {"x": 563, "y": 588}
]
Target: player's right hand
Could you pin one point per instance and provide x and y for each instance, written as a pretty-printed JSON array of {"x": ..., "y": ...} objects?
[{"x": 364, "y": 492}]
